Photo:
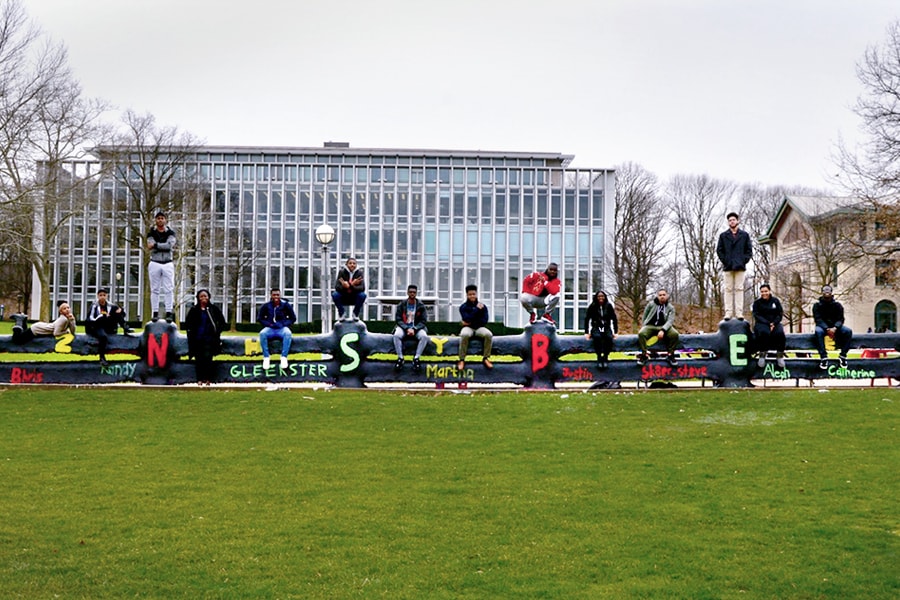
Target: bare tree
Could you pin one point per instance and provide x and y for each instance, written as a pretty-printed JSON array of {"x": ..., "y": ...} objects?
[
  {"x": 698, "y": 205},
  {"x": 156, "y": 165},
  {"x": 638, "y": 246},
  {"x": 44, "y": 124}
]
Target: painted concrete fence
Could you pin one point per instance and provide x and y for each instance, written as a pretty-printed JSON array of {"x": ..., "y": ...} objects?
[{"x": 537, "y": 358}]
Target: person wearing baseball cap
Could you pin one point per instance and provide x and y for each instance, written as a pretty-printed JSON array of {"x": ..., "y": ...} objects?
[{"x": 828, "y": 315}]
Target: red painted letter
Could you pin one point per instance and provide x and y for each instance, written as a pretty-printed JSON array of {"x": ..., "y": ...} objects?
[
  {"x": 539, "y": 356},
  {"x": 157, "y": 350}
]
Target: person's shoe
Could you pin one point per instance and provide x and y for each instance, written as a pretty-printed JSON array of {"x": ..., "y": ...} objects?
[
  {"x": 761, "y": 363},
  {"x": 17, "y": 330},
  {"x": 399, "y": 364},
  {"x": 549, "y": 318},
  {"x": 266, "y": 363},
  {"x": 104, "y": 362},
  {"x": 127, "y": 330},
  {"x": 843, "y": 361},
  {"x": 155, "y": 317},
  {"x": 671, "y": 360},
  {"x": 823, "y": 364},
  {"x": 487, "y": 363},
  {"x": 780, "y": 361},
  {"x": 416, "y": 364},
  {"x": 170, "y": 317},
  {"x": 355, "y": 318},
  {"x": 533, "y": 317},
  {"x": 284, "y": 362},
  {"x": 461, "y": 365},
  {"x": 642, "y": 358}
]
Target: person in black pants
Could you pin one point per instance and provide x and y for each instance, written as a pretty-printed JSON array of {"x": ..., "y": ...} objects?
[
  {"x": 204, "y": 324},
  {"x": 601, "y": 325},
  {"x": 103, "y": 321},
  {"x": 768, "y": 332}
]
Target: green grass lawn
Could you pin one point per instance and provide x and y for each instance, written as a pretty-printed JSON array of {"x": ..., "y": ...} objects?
[{"x": 175, "y": 493}]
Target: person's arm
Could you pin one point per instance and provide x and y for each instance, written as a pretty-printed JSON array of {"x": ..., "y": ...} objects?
[
  {"x": 614, "y": 320},
  {"x": 358, "y": 282},
  {"x": 169, "y": 244},
  {"x": 263, "y": 316},
  {"x": 421, "y": 320},
  {"x": 817, "y": 317},
  {"x": 290, "y": 315},
  {"x": 720, "y": 250},
  {"x": 398, "y": 316},
  {"x": 748, "y": 248},
  {"x": 840, "y": 315},
  {"x": 670, "y": 318}
]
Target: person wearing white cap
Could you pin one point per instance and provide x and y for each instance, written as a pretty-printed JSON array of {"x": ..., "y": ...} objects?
[{"x": 828, "y": 314}]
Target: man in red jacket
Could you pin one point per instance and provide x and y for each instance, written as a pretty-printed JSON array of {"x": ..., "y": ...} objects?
[{"x": 541, "y": 291}]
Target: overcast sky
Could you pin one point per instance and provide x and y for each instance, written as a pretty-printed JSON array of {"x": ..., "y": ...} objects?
[{"x": 747, "y": 90}]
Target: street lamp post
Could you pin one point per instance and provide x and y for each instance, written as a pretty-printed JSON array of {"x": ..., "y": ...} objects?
[{"x": 325, "y": 235}]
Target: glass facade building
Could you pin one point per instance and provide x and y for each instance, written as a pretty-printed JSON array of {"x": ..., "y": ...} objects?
[{"x": 440, "y": 219}]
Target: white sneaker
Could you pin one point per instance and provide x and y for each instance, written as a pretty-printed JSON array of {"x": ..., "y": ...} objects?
[
  {"x": 780, "y": 362},
  {"x": 761, "y": 363},
  {"x": 266, "y": 363},
  {"x": 284, "y": 364}
]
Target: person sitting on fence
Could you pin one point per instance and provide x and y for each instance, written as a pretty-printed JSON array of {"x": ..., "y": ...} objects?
[
  {"x": 828, "y": 315},
  {"x": 103, "y": 321},
  {"x": 541, "y": 291},
  {"x": 411, "y": 318},
  {"x": 768, "y": 332},
  {"x": 474, "y": 316},
  {"x": 349, "y": 291},
  {"x": 601, "y": 325},
  {"x": 276, "y": 316},
  {"x": 64, "y": 323},
  {"x": 659, "y": 323}
]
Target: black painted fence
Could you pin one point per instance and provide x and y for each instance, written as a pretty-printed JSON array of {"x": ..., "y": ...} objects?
[{"x": 537, "y": 358}]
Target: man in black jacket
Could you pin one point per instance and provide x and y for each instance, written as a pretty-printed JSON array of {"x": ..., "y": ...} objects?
[
  {"x": 349, "y": 290},
  {"x": 828, "y": 314},
  {"x": 734, "y": 251}
]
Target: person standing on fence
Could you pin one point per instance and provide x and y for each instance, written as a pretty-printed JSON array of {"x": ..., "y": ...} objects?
[
  {"x": 161, "y": 242},
  {"x": 349, "y": 291},
  {"x": 204, "y": 323},
  {"x": 474, "y": 316},
  {"x": 659, "y": 323},
  {"x": 411, "y": 317},
  {"x": 828, "y": 315},
  {"x": 601, "y": 325},
  {"x": 103, "y": 321},
  {"x": 768, "y": 332},
  {"x": 64, "y": 323},
  {"x": 541, "y": 291},
  {"x": 734, "y": 250},
  {"x": 276, "y": 316}
]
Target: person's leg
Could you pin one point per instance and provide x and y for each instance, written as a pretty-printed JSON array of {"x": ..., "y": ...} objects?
[
  {"x": 338, "y": 300},
  {"x": 398, "y": 342},
  {"x": 842, "y": 338},
  {"x": 422, "y": 336},
  {"x": 358, "y": 304},
  {"x": 154, "y": 269},
  {"x": 645, "y": 334},
  {"x": 102, "y": 342},
  {"x": 606, "y": 344},
  {"x": 737, "y": 293},
  {"x": 527, "y": 301},
  {"x": 264, "y": 336},
  {"x": 465, "y": 335},
  {"x": 487, "y": 338},
  {"x": 671, "y": 340},
  {"x": 168, "y": 287},
  {"x": 778, "y": 340},
  {"x": 820, "y": 343},
  {"x": 551, "y": 301},
  {"x": 285, "y": 334}
]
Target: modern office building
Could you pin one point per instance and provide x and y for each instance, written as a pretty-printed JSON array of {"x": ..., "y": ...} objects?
[{"x": 440, "y": 219}]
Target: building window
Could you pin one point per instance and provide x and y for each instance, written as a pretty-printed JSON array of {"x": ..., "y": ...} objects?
[
  {"x": 885, "y": 272},
  {"x": 885, "y": 316}
]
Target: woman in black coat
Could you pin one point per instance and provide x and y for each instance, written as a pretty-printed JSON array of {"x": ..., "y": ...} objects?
[
  {"x": 601, "y": 325},
  {"x": 204, "y": 325}
]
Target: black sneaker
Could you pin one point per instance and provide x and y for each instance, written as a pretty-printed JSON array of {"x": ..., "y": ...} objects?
[
  {"x": 127, "y": 330},
  {"x": 671, "y": 360},
  {"x": 416, "y": 364},
  {"x": 155, "y": 317},
  {"x": 399, "y": 364},
  {"x": 170, "y": 317},
  {"x": 104, "y": 362},
  {"x": 642, "y": 358},
  {"x": 843, "y": 361},
  {"x": 823, "y": 364}
]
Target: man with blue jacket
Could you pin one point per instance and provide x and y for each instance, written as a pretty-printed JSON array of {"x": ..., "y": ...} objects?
[
  {"x": 828, "y": 314},
  {"x": 276, "y": 316}
]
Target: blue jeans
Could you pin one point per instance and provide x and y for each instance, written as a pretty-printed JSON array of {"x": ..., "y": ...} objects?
[
  {"x": 342, "y": 300},
  {"x": 400, "y": 335},
  {"x": 842, "y": 338},
  {"x": 282, "y": 333}
]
